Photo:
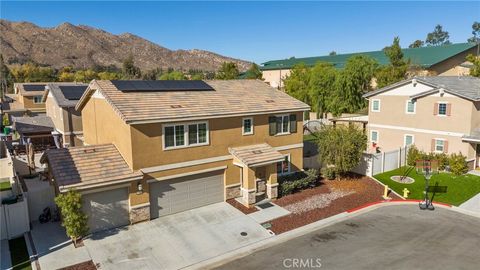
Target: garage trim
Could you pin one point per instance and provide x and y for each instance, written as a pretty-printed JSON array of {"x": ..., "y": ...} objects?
[
  {"x": 95, "y": 190},
  {"x": 186, "y": 174}
]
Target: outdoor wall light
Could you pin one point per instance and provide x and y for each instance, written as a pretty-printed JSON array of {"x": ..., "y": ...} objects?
[{"x": 139, "y": 188}]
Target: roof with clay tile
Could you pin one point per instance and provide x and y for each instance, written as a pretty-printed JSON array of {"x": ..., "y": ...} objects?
[
  {"x": 256, "y": 155},
  {"x": 229, "y": 98},
  {"x": 88, "y": 166}
]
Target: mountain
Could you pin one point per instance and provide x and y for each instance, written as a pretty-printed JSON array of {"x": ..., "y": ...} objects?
[{"x": 83, "y": 46}]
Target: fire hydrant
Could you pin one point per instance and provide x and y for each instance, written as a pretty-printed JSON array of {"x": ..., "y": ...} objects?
[
  {"x": 385, "y": 194},
  {"x": 405, "y": 193}
]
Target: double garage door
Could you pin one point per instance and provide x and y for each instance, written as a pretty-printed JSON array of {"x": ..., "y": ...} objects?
[
  {"x": 180, "y": 194},
  {"x": 106, "y": 209}
]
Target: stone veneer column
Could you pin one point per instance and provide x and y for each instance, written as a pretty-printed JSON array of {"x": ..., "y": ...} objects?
[
  {"x": 272, "y": 184},
  {"x": 139, "y": 213}
]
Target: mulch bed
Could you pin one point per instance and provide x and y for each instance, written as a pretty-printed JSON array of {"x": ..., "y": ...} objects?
[
  {"x": 241, "y": 207},
  {"x": 366, "y": 190},
  {"x": 88, "y": 265}
]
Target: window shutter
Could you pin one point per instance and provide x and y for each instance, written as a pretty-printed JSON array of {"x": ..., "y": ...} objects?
[
  {"x": 435, "y": 109},
  {"x": 279, "y": 125},
  {"x": 293, "y": 123},
  {"x": 433, "y": 145},
  {"x": 445, "y": 146},
  {"x": 449, "y": 109},
  {"x": 272, "y": 123}
]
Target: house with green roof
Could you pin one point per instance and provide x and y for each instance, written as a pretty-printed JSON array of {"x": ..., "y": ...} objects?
[{"x": 446, "y": 60}]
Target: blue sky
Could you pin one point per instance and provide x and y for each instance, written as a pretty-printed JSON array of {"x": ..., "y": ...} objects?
[{"x": 259, "y": 31}]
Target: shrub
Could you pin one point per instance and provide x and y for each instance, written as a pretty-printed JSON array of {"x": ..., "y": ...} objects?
[
  {"x": 413, "y": 155},
  {"x": 329, "y": 173},
  {"x": 293, "y": 182},
  {"x": 442, "y": 160},
  {"x": 458, "y": 164},
  {"x": 73, "y": 219}
]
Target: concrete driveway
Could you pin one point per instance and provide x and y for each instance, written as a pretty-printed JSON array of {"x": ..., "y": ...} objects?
[
  {"x": 175, "y": 241},
  {"x": 390, "y": 237}
]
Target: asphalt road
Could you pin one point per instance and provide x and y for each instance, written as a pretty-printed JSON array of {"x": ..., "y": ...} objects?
[{"x": 393, "y": 237}]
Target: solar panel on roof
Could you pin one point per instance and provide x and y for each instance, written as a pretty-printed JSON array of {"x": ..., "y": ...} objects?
[
  {"x": 140, "y": 86},
  {"x": 73, "y": 92},
  {"x": 34, "y": 87}
]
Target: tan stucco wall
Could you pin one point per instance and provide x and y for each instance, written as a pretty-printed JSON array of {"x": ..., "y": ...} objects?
[
  {"x": 28, "y": 104},
  {"x": 102, "y": 125},
  {"x": 451, "y": 66},
  {"x": 55, "y": 113},
  {"x": 272, "y": 77},
  {"x": 223, "y": 132}
]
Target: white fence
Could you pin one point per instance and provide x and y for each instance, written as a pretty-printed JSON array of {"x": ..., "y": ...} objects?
[
  {"x": 370, "y": 164},
  {"x": 14, "y": 219}
]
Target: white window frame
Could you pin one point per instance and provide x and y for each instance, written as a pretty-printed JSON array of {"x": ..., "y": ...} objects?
[
  {"x": 378, "y": 136},
  {"x": 185, "y": 135},
  {"x": 289, "y": 161},
  {"x": 243, "y": 126},
  {"x": 379, "y": 105},
  {"x": 37, "y": 102},
  {"x": 446, "y": 108},
  {"x": 414, "y": 107},
  {"x": 281, "y": 128},
  {"x": 443, "y": 146},
  {"x": 405, "y": 139}
]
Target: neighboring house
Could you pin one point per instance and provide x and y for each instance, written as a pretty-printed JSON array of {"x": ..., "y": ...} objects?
[
  {"x": 36, "y": 128},
  {"x": 153, "y": 148},
  {"x": 60, "y": 100},
  {"x": 29, "y": 96},
  {"x": 438, "y": 114},
  {"x": 447, "y": 60}
]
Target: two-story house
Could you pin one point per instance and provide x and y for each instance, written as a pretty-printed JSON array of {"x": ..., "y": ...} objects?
[
  {"x": 29, "y": 96},
  {"x": 153, "y": 148},
  {"x": 60, "y": 100},
  {"x": 437, "y": 114}
]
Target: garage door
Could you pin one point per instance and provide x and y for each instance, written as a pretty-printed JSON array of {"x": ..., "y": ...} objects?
[
  {"x": 173, "y": 196},
  {"x": 106, "y": 209}
]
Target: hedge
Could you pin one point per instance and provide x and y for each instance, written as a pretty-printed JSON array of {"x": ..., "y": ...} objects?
[{"x": 296, "y": 181}]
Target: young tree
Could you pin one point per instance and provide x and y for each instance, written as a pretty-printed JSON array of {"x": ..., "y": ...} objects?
[
  {"x": 106, "y": 75},
  {"x": 417, "y": 44},
  {"x": 130, "y": 71},
  {"x": 297, "y": 83},
  {"x": 352, "y": 82},
  {"x": 475, "y": 33},
  {"x": 341, "y": 147},
  {"x": 228, "y": 71},
  {"x": 475, "y": 69},
  {"x": 396, "y": 70},
  {"x": 254, "y": 72},
  {"x": 322, "y": 87},
  {"x": 85, "y": 75},
  {"x": 438, "y": 37},
  {"x": 73, "y": 218}
]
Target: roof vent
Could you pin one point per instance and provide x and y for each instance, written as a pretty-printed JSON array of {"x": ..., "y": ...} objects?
[
  {"x": 91, "y": 150},
  {"x": 176, "y": 106},
  {"x": 270, "y": 101},
  {"x": 256, "y": 152}
]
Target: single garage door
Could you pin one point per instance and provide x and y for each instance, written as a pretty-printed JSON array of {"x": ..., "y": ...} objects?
[
  {"x": 106, "y": 209},
  {"x": 180, "y": 194}
]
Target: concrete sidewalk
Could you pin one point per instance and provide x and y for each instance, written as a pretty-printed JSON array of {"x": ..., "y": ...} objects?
[
  {"x": 5, "y": 260},
  {"x": 472, "y": 205}
]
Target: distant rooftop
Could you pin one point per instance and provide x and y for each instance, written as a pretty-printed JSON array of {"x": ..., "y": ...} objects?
[
  {"x": 424, "y": 57},
  {"x": 30, "y": 89},
  {"x": 65, "y": 94}
]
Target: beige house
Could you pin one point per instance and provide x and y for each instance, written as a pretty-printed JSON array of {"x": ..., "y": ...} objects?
[
  {"x": 437, "y": 114},
  {"x": 60, "y": 100},
  {"x": 29, "y": 96},
  {"x": 447, "y": 60},
  {"x": 171, "y": 146}
]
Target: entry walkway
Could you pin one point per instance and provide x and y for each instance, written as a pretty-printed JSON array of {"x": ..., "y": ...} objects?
[{"x": 473, "y": 204}]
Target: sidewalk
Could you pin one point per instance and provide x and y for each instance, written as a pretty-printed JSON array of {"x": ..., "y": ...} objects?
[
  {"x": 473, "y": 204},
  {"x": 5, "y": 261}
]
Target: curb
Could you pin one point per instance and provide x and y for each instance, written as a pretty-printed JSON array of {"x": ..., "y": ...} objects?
[
  {"x": 393, "y": 191},
  {"x": 281, "y": 238}
]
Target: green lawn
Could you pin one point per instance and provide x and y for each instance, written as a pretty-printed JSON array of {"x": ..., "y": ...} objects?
[
  {"x": 5, "y": 186},
  {"x": 19, "y": 254},
  {"x": 459, "y": 188}
]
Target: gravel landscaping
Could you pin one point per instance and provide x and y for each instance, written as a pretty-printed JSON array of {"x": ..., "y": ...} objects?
[
  {"x": 330, "y": 198},
  {"x": 241, "y": 207},
  {"x": 88, "y": 265}
]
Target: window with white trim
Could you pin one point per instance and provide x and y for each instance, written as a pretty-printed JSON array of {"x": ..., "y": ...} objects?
[
  {"x": 37, "y": 99},
  {"x": 375, "y": 105},
  {"x": 439, "y": 146},
  {"x": 442, "y": 108},
  {"x": 411, "y": 106},
  {"x": 374, "y": 136},
  {"x": 184, "y": 135},
  {"x": 408, "y": 140},
  {"x": 247, "y": 126},
  {"x": 283, "y": 167},
  {"x": 283, "y": 124}
]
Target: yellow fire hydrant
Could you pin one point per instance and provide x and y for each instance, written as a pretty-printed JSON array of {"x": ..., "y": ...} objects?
[
  {"x": 405, "y": 193},
  {"x": 385, "y": 194}
]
